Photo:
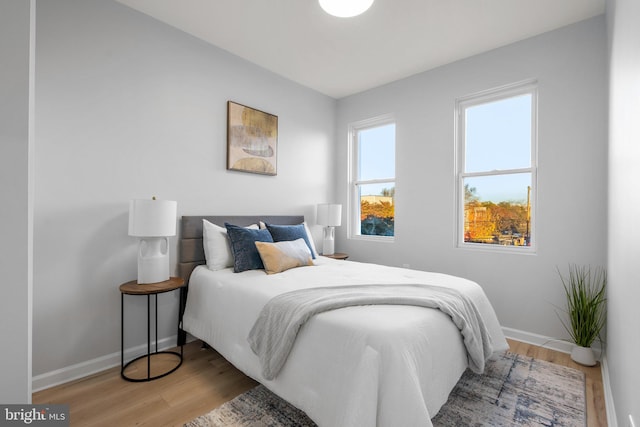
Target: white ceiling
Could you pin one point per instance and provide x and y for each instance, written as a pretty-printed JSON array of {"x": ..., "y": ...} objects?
[{"x": 343, "y": 56}]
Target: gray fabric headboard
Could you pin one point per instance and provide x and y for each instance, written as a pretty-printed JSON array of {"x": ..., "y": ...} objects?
[{"x": 191, "y": 251}]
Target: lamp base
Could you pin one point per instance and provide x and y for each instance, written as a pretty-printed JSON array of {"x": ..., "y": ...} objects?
[
  {"x": 328, "y": 241},
  {"x": 153, "y": 262}
]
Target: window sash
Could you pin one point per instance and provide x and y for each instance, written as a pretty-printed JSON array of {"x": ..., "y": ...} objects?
[
  {"x": 506, "y": 92},
  {"x": 374, "y": 181},
  {"x": 354, "y": 211},
  {"x": 496, "y": 172}
]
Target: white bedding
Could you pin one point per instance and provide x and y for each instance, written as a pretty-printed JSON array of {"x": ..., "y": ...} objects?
[{"x": 363, "y": 366}]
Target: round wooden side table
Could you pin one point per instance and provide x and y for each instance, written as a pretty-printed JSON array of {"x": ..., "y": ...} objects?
[
  {"x": 149, "y": 289},
  {"x": 338, "y": 255}
]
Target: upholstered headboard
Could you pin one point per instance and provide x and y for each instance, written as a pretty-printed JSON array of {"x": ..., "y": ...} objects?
[{"x": 191, "y": 251}]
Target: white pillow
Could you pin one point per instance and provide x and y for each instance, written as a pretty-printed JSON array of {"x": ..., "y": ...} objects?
[
  {"x": 217, "y": 250},
  {"x": 311, "y": 242}
]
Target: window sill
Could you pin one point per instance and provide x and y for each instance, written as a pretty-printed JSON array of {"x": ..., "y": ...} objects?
[
  {"x": 501, "y": 249},
  {"x": 382, "y": 239}
]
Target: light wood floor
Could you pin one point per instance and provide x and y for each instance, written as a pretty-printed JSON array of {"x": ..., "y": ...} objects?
[{"x": 206, "y": 380}]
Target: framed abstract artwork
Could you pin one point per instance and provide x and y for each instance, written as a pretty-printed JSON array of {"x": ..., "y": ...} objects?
[{"x": 252, "y": 140}]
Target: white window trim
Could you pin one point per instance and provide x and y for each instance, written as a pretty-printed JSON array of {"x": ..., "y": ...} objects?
[
  {"x": 496, "y": 94},
  {"x": 353, "y": 207}
]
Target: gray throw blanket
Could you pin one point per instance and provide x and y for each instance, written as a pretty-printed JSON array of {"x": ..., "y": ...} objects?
[{"x": 275, "y": 330}]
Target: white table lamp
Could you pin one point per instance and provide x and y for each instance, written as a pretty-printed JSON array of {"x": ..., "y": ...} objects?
[
  {"x": 153, "y": 221},
  {"x": 329, "y": 215}
]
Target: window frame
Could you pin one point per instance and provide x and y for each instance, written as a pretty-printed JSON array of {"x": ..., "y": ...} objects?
[
  {"x": 353, "y": 206},
  {"x": 528, "y": 87}
]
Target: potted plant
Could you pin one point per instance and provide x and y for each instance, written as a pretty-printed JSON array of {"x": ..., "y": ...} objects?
[{"x": 586, "y": 309}]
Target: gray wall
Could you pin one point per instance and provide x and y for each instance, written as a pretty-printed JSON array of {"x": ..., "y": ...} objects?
[
  {"x": 127, "y": 107},
  {"x": 570, "y": 66},
  {"x": 623, "y": 336},
  {"x": 15, "y": 208}
]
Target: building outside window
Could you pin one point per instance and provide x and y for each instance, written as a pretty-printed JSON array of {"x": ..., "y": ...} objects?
[
  {"x": 496, "y": 168},
  {"x": 372, "y": 199}
]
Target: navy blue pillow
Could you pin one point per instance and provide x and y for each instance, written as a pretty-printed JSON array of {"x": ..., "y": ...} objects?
[
  {"x": 285, "y": 233},
  {"x": 243, "y": 246}
]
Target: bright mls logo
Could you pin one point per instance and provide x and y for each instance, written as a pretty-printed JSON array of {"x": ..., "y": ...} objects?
[{"x": 36, "y": 415}]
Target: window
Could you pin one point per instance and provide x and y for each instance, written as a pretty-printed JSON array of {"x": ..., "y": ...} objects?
[
  {"x": 373, "y": 182},
  {"x": 496, "y": 133}
]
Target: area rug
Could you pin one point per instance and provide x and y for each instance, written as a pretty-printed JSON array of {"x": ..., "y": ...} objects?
[{"x": 515, "y": 390}]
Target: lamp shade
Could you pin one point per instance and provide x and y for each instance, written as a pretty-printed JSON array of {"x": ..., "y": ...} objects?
[
  {"x": 345, "y": 8},
  {"x": 152, "y": 218},
  {"x": 329, "y": 214}
]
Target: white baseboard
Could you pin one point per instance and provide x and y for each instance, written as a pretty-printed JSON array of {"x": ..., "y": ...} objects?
[
  {"x": 90, "y": 367},
  {"x": 547, "y": 342},
  {"x": 539, "y": 340},
  {"x": 565, "y": 347},
  {"x": 612, "y": 421}
]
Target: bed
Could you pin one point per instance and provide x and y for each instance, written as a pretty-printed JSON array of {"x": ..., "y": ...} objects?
[{"x": 367, "y": 365}]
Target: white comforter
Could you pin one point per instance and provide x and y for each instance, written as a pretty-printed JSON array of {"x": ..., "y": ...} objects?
[{"x": 359, "y": 366}]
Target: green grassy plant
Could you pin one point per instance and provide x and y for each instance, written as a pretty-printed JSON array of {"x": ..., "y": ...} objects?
[{"x": 586, "y": 303}]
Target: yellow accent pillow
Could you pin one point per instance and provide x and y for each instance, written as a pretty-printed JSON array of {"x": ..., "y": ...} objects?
[{"x": 280, "y": 256}]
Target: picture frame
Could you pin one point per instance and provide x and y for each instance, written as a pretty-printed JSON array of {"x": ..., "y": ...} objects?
[{"x": 252, "y": 140}]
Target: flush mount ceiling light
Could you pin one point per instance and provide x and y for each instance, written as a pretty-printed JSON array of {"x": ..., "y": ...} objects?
[{"x": 345, "y": 8}]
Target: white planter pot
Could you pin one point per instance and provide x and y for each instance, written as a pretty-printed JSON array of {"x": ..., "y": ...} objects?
[{"x": 583, "y": 355}]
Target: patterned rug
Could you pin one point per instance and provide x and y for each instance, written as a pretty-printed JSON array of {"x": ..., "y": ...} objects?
[{"x": 515, "y": 390}]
